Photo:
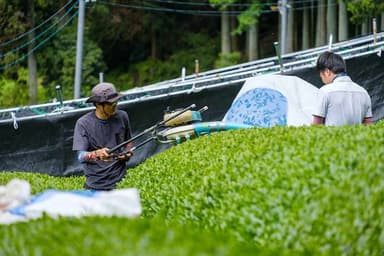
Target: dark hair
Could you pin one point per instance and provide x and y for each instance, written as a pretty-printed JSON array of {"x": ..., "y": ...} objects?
[{"x": 331, "y": 61}]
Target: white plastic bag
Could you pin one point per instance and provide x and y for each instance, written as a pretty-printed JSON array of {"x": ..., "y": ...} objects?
[
  {"x": 14, "y": 193},
  {"x": 17, "y": 204}
]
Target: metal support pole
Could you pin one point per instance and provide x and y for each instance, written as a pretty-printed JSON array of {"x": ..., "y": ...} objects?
[
  {"x": 79, "y": 49},
  {"x": 374, "y": 27},
  {"x": 197, "y": 68},
  {"x": 330, "y": 41},
  {"x": 59, "y": 93},
  {"x": 183, "y": 73},
  {"x": 278, "y": 54},
  {"x": 283, "y": 26},
  {"x": 101, "y": 77}
]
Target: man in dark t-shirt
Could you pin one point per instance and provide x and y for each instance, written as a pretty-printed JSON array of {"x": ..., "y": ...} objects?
[{"x": 98, "y": 131}]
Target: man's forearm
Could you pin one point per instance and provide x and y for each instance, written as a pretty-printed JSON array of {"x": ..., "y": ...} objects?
[
  {"x": 85, "y": 156},
  {"x": 367, "y": 120},
  {"x": 317, "y": 120}
]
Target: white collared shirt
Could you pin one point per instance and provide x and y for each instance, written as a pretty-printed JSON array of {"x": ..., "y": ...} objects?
[{"x": 343, "y": 102}]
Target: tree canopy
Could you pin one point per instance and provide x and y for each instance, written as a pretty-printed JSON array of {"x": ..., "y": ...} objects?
[{"x": 135, "y": 43}]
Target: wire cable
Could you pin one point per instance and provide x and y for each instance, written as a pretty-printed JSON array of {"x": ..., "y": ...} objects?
[
  {"x": 2, "y": 44},
  {"x": 206, "y": 4},
  {"x": 311, "y": 7},
  {"x": 182, "y": 11},
  {"x": 212, "y": 5},
  {"x": 39, "y": 35},
  {"x": 212, "y": 12},
  {"x": 39, "y": 44}
]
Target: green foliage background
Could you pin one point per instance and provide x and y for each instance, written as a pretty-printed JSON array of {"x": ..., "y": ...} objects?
[
  {"x": 150, "y": 70},
  {"x": 131, "y": 47},
  {"x": 58, "y": 60},
  {"x": 14, "y": 89}
]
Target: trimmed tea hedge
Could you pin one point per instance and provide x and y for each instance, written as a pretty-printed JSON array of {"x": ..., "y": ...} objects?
[
  {"x": 40, "y": 182},
  {"x": 307, "y": 189},
  {"x": 276, "y": 191},
  {"x": 114, "y": 236}
]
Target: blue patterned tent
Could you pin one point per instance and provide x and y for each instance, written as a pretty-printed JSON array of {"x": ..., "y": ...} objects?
[{"x": 270, "y": 100}]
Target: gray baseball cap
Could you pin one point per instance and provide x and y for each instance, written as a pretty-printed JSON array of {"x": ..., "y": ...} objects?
[{"x": 104, "y": 92}]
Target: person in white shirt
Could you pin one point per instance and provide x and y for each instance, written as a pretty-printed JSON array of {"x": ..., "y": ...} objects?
[{"x": 340, "y": 100}]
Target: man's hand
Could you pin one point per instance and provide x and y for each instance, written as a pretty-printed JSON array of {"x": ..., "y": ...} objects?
[
  {"x": 125, "y": 156},
  {"x": 101, "y": 154},
  {"x": 318, "y": 120}
]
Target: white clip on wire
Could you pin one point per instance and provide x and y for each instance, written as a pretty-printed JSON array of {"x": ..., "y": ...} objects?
[
  {"x": 15, "y": 125},
  {"x": 379, "y": 52}
]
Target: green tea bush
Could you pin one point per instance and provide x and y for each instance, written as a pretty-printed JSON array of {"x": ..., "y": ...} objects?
[
  {"x": 106, "y": 235},
  {"x": 40, "y": 182},
  {"x": 113, "y": 236},
  {"x": 277, "y": 191},
  {"x": 309, "y": 189}
]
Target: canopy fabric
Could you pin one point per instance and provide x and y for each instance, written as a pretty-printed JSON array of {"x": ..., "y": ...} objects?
[{"x": 270, "y": 100}]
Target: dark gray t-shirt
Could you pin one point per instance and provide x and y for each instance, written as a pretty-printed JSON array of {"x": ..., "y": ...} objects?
[{"x": 91, "y": 134}]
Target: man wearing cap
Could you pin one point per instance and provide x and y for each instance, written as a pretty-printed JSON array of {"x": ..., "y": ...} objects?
[{"x": 98, "y": 131}]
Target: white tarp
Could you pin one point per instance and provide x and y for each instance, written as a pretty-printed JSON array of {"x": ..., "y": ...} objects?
[
  {"x": 16, "y": 204},
  {"x": 269, "y": 100}
]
